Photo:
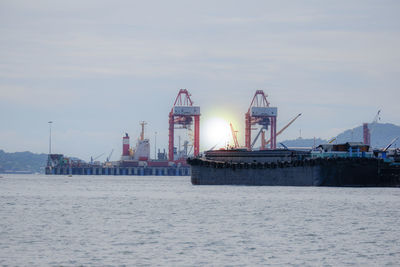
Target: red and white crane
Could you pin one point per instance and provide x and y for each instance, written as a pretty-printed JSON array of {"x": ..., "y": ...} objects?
[
  {"x": 183, "y": 113},
  {"x": 260, "y": 113}
]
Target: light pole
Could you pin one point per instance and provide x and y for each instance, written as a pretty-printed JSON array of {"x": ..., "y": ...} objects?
[
  {"x": 50, "y": 122},
  {"x": 155, "y": 145}
]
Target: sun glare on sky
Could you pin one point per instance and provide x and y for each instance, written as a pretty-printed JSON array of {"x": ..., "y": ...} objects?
[{"x": 217, "y": 133}]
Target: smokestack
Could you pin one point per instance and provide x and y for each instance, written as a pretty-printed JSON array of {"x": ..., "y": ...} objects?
[{"x": 125, "y": 145}]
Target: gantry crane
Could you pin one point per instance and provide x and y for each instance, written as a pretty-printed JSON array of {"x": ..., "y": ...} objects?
[
  {"x": 182, "y": 113},
  {"x": 260, "y": 113}
]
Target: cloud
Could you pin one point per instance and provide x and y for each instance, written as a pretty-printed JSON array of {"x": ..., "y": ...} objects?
[
  {"x": 22, "y": 95},
  {"x": 108, "y": 65}
]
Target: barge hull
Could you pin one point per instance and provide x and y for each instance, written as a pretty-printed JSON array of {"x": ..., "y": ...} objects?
[{"x": 343, "y": 172}]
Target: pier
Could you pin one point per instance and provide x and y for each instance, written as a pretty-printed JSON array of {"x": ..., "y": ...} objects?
[{"x": 122, "y": 171}]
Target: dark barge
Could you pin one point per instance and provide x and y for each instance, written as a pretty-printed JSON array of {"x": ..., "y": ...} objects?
[{"x": 294, "y": 168}]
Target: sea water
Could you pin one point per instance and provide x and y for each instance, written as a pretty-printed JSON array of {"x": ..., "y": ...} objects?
[{"x": 160, "y": 220}]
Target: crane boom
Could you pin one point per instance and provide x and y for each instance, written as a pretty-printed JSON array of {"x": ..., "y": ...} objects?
[
  {"x": 109, "y": 156},
  {"x": 377, "y": 117},
  {"x": 255, "y": 139},
  {"x": 99, "y": 156},
  {"x": 234, "y": 136},
  {"x": 390, "y": 144},
  {"x": 284, "y": 128},
  {"x": 92, "y": 159},
  {"x": 375, "y": 121}
]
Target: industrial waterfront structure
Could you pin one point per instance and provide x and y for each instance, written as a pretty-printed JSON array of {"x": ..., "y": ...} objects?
[
  {"x": 60, "y": 165},
  {"x": 135, "y": 160}
]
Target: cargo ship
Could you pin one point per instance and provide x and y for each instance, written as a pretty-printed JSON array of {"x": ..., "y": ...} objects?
[{"x": 348, "y": 164}]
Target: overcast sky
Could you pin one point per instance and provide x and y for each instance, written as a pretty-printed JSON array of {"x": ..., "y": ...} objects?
[{"x": 98, "y": 68}]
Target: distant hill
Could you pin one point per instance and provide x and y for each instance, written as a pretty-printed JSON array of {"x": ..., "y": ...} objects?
[
  {"x": 381, "y": 135},
  {"x": 22, "y": 161}
]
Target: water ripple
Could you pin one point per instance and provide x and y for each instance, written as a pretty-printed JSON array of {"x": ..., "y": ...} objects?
[{"x": 157, "y": 221}]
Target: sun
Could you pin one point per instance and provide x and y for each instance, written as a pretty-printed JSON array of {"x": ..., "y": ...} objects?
[{"x": 217, "y": 133}]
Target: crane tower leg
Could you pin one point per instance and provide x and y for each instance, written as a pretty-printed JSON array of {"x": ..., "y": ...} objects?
[
  {"x": 273, "y": 132},
  {"x": 248, "y": 131},
  {"x": 171, "y": 137},
  {"x": 263, "y": 140},
  {"x": 196, "y": 135}
]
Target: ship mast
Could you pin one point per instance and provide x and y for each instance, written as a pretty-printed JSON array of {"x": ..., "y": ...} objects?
[{"x": 142, "y": 123}]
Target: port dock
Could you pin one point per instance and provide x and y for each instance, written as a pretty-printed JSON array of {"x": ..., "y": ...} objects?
[{"x": 141, "y": 171}]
